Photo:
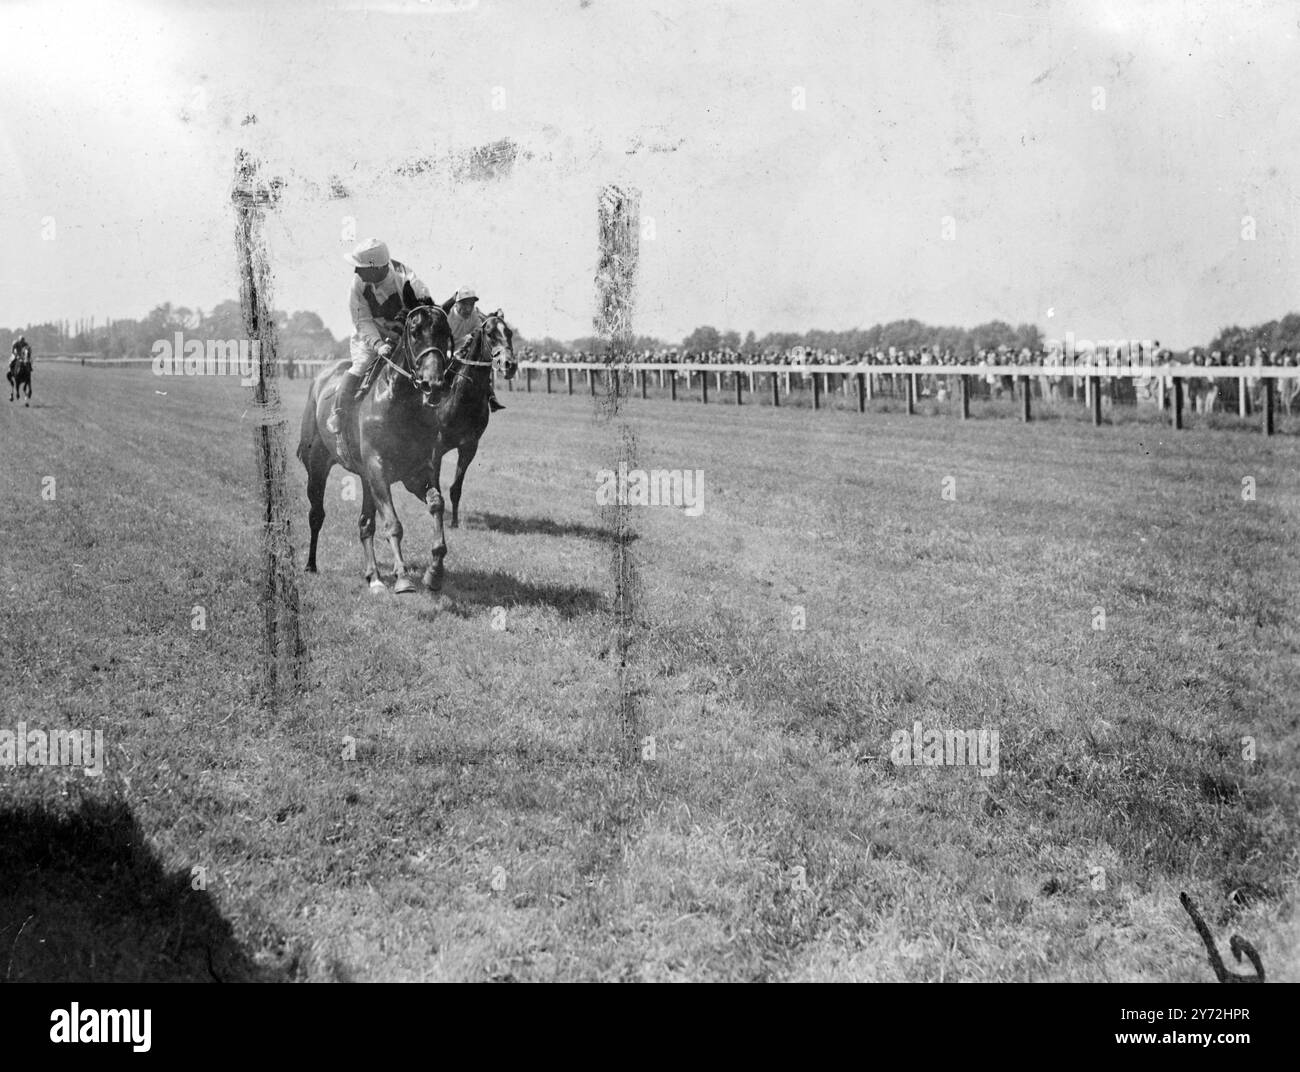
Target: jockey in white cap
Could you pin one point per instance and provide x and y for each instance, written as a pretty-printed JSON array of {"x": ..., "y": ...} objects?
[
  {"x": 465, "y": 319},
  {"x": 19, "y": 351},
  {"x": 376, "y": 302}
]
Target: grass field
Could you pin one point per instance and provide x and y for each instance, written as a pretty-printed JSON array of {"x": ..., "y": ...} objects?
[{"x": 486, "y": 830}]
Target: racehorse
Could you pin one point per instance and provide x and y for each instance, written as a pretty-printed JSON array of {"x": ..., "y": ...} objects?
[
  {"x": 462, "y": 417},
  {"x": 397, "y": 428},
  {"x": 20, "y": 376}
]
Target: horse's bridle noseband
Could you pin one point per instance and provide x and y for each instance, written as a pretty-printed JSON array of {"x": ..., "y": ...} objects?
[
  {"x": 416, "y": 359},
  {"x": 477, "y": 344}
]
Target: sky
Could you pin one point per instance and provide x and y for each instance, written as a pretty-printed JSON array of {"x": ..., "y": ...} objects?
[{"x": 1110, "y": 168}]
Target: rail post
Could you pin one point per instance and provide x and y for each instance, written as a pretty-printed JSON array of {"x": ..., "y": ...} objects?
[
  {"x": 528, "y": 380},
  {"x": 1178, "y": 402},
  {"x": 911, "y": 394},
  {"x": 704, "y": 387},
  {"x": 776, "y": 389},
  {"x": 548, "y": 381},
  {"x": 862, "y": 392},
  {"x": 1268, "y": 406},
  {"x": 672, "y": 382},
  {"x": 1243, "y": 399},
  {"x": 1024, "y": 399},
  {"x": 568, "y": 379},
  {"x": 645, "y": 375},
  {"x": 817, "y": 391},
  {"x": 738, "y": 387},
  {"x": 1094, "y": 397},
  {"x": 965, "y": 397}
]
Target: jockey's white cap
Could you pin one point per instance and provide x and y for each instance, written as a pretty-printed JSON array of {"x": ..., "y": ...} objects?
[
  {"x": 371, "y": 253},
  {"x": 466, "y": 292}
]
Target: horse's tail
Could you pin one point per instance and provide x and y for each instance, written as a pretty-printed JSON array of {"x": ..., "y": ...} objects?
[{"x": 307, "y": 435}]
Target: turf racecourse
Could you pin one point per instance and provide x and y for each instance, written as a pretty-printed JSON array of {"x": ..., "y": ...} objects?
[{"x": 484, "y": 829}]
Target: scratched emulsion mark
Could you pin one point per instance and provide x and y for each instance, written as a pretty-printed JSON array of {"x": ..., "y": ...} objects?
[
  {"x": 483, "y": 163},
  {"x": 284, "y": 650},
  {"x": 619, "y": 214}
]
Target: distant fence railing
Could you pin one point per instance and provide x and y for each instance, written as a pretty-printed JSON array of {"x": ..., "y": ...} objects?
[{"x": 1168, "y": 383}]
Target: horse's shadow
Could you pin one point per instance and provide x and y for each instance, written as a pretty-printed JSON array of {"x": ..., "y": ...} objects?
[
  {"x": 533, "y": 526},
  {"x": 84, "y": 899},
  {"x": 470, "y": 590}
]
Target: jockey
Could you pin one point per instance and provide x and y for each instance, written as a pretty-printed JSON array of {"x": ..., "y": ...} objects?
[
  {"x": 19, "y": 351},
  {"x": 465, "y": 320},
  {"x": 376, "y": 304}
]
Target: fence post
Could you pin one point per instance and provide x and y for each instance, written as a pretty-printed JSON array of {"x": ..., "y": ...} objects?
[
  {"x": 645, "y": 375},
  {"x": 1178, "y": 402},
  {"x": 965, "y": 397},
  {"x": 1243, "y": 399},
  {"x": 911, "y": 394},
  {"x": 1024, "y": 401},
  {"x": 672, "y": 382},
  {"x": 862, "y": 392},
  {"x": 871, "y": 386},
  {"x": 528, "y": 380},
  {"x": 817, "y": 391},
  {"x": 737, "y": 375},
  {"x": 776, "y": 389},
  {"x": 1094, "y": 389},
  {"x": 1269, "y": 384},
  {"x": 548, "y": 381},
  {"x": 704, "y": 385},
  {"x": 568, "y": 379}
]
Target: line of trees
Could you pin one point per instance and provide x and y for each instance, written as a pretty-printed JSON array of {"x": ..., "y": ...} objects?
[
  {"x": 303, "y": 335},
  {"x": 1279, "y": 335},
  {"x": 902, "y": 334}
]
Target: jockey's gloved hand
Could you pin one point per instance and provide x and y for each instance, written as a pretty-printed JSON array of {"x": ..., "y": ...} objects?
[{"x": 384, "y": 349}]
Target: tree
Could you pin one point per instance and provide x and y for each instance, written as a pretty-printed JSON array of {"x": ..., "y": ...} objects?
[{"x": 701, "y": 339}]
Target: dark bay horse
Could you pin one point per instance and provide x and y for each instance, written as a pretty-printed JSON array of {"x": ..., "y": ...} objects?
[
  {"x": 20, "y": 377},
  {"x": 462, "y": 417},
  {"x": 398, "y": 427}
]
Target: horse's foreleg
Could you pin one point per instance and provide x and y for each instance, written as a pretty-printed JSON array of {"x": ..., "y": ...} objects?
[
  {"x": 366, "y": 530},
  {"x": 378, "y": 486},
  {"x": 464, "y": 456},
  {"x": 433, "y": 499}
]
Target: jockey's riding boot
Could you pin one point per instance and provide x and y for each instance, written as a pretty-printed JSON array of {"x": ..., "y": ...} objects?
[
  {"x": 493, "y": 404},
  {"x": 340, "y": 419}
]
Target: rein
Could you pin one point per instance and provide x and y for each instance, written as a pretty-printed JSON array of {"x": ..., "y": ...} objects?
[{"x": 415, "y": 358}]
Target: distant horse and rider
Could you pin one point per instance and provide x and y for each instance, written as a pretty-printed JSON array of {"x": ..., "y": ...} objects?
[
  {"x": 417, "y": 386},
  {"x": 19, "y": 373}
]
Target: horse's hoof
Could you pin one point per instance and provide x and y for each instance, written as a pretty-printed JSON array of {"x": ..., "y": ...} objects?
[
  {"x": 377, "y": 587},
  {"x": 455, "y": 523},
  {"x": 403, "y": 586},
  {"x": 311, "y": 568},
  {"x": 433, "y": 581}
]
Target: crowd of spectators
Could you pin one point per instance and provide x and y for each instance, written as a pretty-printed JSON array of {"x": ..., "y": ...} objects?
[{"x": 1043, "y": 356}]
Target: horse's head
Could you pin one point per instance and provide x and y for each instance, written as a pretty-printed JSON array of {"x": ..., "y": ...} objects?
[
  {"x": 426, "y": 346},
  {"x": 501, "y": 340}
]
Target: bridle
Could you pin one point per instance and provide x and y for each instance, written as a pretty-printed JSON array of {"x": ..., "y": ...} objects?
[
  {"x": 476, "y": 345},
  {"x": 416, "y": 359}
]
